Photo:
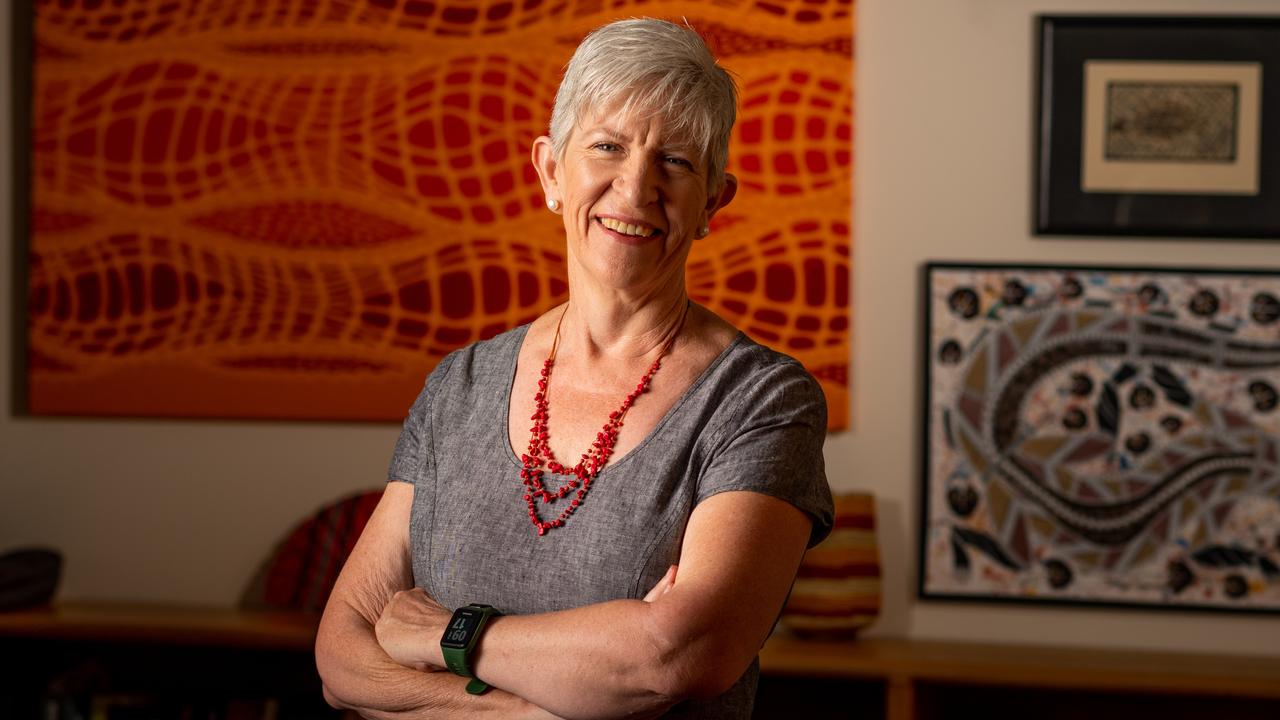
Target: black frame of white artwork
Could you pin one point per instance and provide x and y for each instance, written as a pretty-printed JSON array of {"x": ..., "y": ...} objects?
[{"x": 1063, "y": 207}]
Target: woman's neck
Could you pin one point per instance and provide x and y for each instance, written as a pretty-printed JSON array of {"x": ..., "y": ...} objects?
[{"x": 603, "y": 323}]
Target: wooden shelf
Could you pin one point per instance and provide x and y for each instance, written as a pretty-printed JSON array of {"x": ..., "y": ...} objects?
[
  {"x": 158, "y": 661},
  {"x": 133, "y": 622},
  {"x": 1022, "y": 665},
  {"x": 921, "y": 679}
]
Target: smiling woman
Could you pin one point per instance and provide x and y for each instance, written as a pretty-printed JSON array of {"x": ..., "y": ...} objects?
[{"x": 675, "y": 441}]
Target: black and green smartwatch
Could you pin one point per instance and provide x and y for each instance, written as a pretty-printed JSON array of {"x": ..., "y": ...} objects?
[{"x": 460, "y": 638}]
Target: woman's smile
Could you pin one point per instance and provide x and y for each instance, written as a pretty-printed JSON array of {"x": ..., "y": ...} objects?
[{"x": 627, "y": 231}]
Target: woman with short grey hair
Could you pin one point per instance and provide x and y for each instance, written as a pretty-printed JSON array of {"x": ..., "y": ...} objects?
[{"x": 598, "y": 514}]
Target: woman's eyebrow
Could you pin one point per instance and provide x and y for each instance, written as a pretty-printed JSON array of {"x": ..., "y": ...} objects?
[
  {"x": 682, "y": 146},
  {"x": 608, "y": 130}
]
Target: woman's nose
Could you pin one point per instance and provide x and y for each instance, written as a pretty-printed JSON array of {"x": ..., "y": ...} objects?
[{"x": 638, "y": 181}]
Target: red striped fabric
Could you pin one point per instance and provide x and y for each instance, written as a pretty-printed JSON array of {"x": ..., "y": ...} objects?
[{"x": 302, "y": 570}]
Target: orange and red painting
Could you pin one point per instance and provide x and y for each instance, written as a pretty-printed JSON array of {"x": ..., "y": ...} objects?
[{"x": 295, "y": 208}]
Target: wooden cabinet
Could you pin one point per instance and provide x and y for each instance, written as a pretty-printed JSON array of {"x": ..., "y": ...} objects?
[
  {"x": 137, "y": 661},
  {"x": 921, "y": 680},
  {"x": 229, "y": 656}
]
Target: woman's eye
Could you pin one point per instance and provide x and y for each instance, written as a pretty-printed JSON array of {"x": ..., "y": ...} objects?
[
  {"x": 680, "y": 161},
  {"x": 606, "y": 146}
]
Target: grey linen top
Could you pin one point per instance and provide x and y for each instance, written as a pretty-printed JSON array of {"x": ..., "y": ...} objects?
[{"x": 754, "y": 420}]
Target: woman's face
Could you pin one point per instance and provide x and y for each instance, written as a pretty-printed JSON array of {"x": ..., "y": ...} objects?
[{"x": 632, "y": 197}]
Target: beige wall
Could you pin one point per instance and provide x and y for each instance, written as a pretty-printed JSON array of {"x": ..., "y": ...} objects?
[{"x": 183, "y": 511}]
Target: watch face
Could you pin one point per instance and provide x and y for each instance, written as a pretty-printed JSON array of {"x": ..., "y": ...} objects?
[{"x": 461, "y": 628}]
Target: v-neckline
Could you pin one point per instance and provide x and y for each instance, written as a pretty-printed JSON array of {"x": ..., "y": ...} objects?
[{"x": 514, "y": 363}]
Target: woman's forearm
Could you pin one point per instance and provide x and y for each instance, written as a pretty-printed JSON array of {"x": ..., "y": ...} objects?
[
  {"x": 611, "y": 659},
  {"x": 597, "y": 661},
  {"x": 624, "y": 658},
  {"x": 358, "y": 675}
]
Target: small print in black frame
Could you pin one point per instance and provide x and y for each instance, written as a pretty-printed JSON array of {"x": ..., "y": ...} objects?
[{"x": 1159, "y": 126}]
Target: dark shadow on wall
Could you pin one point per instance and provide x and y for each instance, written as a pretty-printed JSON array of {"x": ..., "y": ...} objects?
[{"x": 21, "y": 29}]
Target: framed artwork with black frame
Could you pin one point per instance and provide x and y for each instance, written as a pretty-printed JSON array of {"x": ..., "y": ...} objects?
[
  {"x": 1158, "y": 126},
  {"x": 1102, "y": 436}
]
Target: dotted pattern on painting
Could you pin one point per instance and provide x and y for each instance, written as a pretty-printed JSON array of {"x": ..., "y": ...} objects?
[{"x": 1104, "y": 436}]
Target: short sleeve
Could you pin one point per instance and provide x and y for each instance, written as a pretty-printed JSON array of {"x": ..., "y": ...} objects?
[
  {"x": 413, "y": 457},
  {"x": 771, "y": 442}
]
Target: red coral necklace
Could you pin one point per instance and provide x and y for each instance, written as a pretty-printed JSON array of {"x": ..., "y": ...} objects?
[{"x": 593, "y": 460}]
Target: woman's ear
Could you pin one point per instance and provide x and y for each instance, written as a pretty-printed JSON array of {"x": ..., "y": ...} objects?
[
  {"x": 724, "y": 197},
  {"x": 544, "y": 162}
]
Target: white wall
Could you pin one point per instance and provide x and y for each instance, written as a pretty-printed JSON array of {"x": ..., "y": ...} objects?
[
  {"x": 943, "y": 157},
  {"x": 183, "y": 511}
]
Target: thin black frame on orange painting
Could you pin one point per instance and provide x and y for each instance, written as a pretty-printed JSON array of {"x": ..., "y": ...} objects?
[
  {"x": 1158, "y": 126},
  {"x": 1103, "y": 436}
]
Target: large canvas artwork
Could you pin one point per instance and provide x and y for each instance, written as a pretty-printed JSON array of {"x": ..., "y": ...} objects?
[
  {"x": 1102, "y": 435},
  {"x": 295, "y": 208}
]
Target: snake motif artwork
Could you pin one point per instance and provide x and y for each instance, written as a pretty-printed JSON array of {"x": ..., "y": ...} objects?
[
  {"x": 1104, "y": 435},
  {"x": 295, "y": 208}
]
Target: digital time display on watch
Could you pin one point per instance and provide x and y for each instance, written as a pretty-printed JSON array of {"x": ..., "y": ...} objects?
[
  {"x": 461, "y": 628},
  {"x": 460, "y": 637}
]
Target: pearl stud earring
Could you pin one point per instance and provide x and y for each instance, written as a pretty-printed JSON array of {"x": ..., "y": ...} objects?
[
  {"x": 704, "y": 231},
  {"x": 553, "y": 205}
]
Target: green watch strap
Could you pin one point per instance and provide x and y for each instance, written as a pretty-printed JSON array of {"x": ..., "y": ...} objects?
[
  {"x": 456, "y": 660},
  {"x": 460, "y": 639}
]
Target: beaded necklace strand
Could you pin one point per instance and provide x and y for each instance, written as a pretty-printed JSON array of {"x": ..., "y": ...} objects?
[{"x": 593, "y": 460}]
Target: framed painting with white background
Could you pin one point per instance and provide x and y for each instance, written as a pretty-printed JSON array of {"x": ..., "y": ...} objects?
[{"x": 1101, "y": 435}]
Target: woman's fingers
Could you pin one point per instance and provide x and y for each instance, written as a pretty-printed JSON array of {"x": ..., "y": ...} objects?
[{"x": 665, "y": 584}]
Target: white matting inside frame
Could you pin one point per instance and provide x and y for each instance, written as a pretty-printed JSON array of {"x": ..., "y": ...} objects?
[{"x": 1171, "y": 127}]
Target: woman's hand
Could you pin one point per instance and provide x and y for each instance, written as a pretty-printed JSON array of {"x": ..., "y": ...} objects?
[{"x": 410, "y": 627}]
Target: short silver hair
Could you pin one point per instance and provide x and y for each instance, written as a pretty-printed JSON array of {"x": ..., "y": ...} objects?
[{"x": 654, "y": 67}]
